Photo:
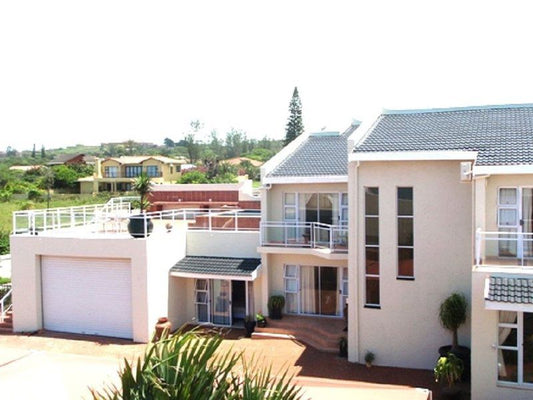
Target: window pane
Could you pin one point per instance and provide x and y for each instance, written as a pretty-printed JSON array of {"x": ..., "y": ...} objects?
[
  {"x": 507, "y": 244},
  {"x": 345, "y": 273},
  {"x": 507, "y": 217},
  {"x": 201, "y": 311},
  {"x": 291, "y": 285},
  {"x": 290, "y": 198},
  {"x": 405, "y": 262},
  {"x": 372, "y": 230},
  {"x": 372, "y": 290},
  {"x": 371, "y": 201},
  {"x": 405, "y": 231},
  {"x": 344, "y": 215},
  {"x": 372, "y": 260},
  {"x": 291, "y": 302},
  {"x": 291, "y": 271},
  {"x": 290, "y": 214},
  {"x": 201, "y": 284},
  {"x": 507, "y": 365},
  {"x": 344, "y": 199},
  {"x": 508, "y": 317},
  {"x": 508, "y": 196},
  {"x": 201, "y": 297},
  {"x": 405, "y": 201},
  {"x": 528, "y": 347}
]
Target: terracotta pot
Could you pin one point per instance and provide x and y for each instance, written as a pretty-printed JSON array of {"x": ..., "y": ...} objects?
[{"x": 162, "y": 328}]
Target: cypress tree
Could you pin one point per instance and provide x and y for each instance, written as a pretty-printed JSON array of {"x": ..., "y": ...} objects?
[{"x": 294, "y": 125}]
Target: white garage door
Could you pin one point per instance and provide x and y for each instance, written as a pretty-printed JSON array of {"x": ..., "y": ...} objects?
[{"x": 87, "y": 295}]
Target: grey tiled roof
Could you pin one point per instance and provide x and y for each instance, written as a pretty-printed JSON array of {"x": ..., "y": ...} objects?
[
  {"x": 502, "y": 135},
  {"x": 217, "y": 265},
  {"x": 510, "y": 289},
  {"x": 320, "y": 154}
]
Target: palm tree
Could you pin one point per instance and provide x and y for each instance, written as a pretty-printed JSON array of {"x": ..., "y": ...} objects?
[
  {"x": 143, "y": 186},
  {"x": 187, "y": 366}
]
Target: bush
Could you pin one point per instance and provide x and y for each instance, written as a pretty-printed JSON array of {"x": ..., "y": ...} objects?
[
  {"x": 452, "y": 314},
  {"x": 193, "y": 176},
  {"x": 4, "y": 242},
  {"x": 188, "y": 366},
  {"x": 36, "y": 195},
  {"x": 448, "y": 369}
]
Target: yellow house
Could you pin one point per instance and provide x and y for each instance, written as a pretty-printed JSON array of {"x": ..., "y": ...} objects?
[{"x": 116, "y": 174}]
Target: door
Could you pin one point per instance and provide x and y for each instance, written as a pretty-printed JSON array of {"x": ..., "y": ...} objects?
[
  {"x": 201, "y": 300},
  {"x": 87, "y": 295},
  {"x": 515, "y": 215},
  {"x": 221, "y": 304},
  {"x": 526, "y": 222},
  {"x": 328, "y": 290}
]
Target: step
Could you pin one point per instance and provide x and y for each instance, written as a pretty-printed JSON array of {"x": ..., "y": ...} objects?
[{"x": 268, "y": 335}]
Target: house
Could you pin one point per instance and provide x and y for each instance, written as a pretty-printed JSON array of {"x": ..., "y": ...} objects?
[
  {"x": 442, "y": 203},
  {"x": 116, "y": 174},
  {"x": 71, "y": 159}
]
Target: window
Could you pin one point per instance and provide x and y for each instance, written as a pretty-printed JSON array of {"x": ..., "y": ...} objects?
[
  {"x": 372, "y": 246},
  {"x": 291, "y": 288},
  {"x": 405, "y": 232},
  {"x": 111, "y": 172},
  {"x": 344, "y": 209},
  {"x": 152, "y": 171},
  {"x": 515, "y": 347},
  {"x": 133, "y": 171},
  {"x": 508, "y": 221}
]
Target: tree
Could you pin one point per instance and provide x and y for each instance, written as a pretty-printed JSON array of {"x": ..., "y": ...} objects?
[
  {"x": 452, "y": 314},
  {"x": 190, "y": 366},
  {"x": 169, "y": 142},
  {"x": 43, "y": 152},
  {"x": 294, "y": 125},
  {"x": 47, "y": 183},
  {"x": 235, "y": 143},
  {"x": 193, "y": 176},
  {"x": 192, "y": 145},
  {"x": 33, "y": 151}
]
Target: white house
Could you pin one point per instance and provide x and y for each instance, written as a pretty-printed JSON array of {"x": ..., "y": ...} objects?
[{"x": 442, "y": 200}]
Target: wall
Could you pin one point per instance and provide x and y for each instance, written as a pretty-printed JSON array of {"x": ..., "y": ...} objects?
[
  {"x": 406, "y": 332},
  {"x": 223, "y": 244},
  {"x": 26, "y": 275}
]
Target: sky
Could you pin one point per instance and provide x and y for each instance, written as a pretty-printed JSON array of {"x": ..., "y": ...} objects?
[{"x": 86, "y": 72}]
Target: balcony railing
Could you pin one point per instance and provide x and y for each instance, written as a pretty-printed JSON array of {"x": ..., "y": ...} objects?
[
  {"x": 507, "y": 249},
  {"x": 130, "y": 175},
  {"x": 315, "y": 235},
  {"x": 113, "y": 217}
]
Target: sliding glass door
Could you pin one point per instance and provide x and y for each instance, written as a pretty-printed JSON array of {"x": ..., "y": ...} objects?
[
  {"x": 213, "y": 301},
  {"x": 318, "y": 289}
]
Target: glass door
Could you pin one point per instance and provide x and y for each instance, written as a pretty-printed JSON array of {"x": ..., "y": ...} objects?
[
  {"x": 201, "y": 300},
  {"x": 328, "y": 290},
  {"x": 221, "y": 305},
  {"x": 526, "y": 222}
]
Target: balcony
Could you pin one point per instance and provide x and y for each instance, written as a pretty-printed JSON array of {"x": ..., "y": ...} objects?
[
  {"x": 130, "y": 175},
  {"x": 312, "y": 235},
  {"x": 504, "y": 249}
]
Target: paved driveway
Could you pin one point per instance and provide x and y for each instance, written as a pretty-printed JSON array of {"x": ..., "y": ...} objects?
[{"x": 62, "y": 366}]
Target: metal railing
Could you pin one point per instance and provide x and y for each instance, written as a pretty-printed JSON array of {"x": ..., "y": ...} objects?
[
  {"x": 114, "y": 215},
  {"x": 507, "y": 249},
  {"x": 112, "y": 175},
  {"x": 305, "y": 235},
  {"x": 5, "y": 300}
]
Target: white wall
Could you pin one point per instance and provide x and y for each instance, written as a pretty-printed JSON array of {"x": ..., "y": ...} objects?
[
  {"x": 406, "y": 332},
  {"x": 223, "y": 244}
]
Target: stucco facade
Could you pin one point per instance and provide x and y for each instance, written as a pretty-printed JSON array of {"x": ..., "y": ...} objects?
[{"x": 405, "y": 331}]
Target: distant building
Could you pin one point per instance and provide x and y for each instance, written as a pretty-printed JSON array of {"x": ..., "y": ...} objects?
[
  {"x": 69, "y": 159},
  {"x": 25, "y": 168},
  {"x": 116, "y": 174}
]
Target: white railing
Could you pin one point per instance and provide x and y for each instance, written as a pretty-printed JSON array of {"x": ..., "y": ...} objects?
[
  {"x": 5, "y": 302},
  {"x": 115, "y": 214},
  {"x": 510, "y": 249},
  {"x": 35, "y": 221},
  {"x": 305, "y": 234}
]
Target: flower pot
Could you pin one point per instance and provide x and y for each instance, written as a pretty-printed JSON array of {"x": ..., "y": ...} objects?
[
  {"x": 275, "y": 313},
  {"x": 162, "y": 328},
  {"x": 261, "y": 323},
  {"x": 249, "y": 326},
  {"x": 368, "y": 365},
  {"x": 136, "y": 226}
]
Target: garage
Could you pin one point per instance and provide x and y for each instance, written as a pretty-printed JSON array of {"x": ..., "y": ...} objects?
[{"x": 87, "y": 295}]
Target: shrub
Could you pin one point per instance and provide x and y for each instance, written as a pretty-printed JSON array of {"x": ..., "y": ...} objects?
[
  {"x": 448, "y": 369},
  {"x": 4, "y": 242},
  {"x": 452, "y": 314},
  {"x": 35, "y": 195}
]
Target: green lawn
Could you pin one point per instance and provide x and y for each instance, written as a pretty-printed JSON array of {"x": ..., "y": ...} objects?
[{"x": 58, "y": 200}]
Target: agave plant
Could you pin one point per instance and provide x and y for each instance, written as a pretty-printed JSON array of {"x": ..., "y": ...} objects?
[{"x": 187, "y": 366}]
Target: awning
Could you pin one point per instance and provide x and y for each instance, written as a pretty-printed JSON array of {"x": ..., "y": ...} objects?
[
  {"x": 509, "y": 292},
  {"x": 242, "y": 269}
]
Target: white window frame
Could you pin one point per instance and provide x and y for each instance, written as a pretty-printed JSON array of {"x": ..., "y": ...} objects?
[
  {"x": 519, "y": 348},
  {"x": 367, "y": 275},
  {"x": 292, "y": 278},
  {"x": 207, "y": 302},
  {"x": 411, "y": 217}
]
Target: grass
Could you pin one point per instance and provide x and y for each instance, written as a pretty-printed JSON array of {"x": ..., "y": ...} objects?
[{"x": 57, "y": 200}]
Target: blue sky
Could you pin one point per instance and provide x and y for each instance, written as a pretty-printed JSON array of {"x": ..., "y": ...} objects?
[{"x": 87, "y": 72}]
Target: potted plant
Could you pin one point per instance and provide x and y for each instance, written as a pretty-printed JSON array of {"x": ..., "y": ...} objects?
[
  {"x": 261, "y": 320},
  {"x": 343, "y": 346},
  {"x": 275, "y": 306},
  {"x": 452, "y": 314},
  {"x": 140, "y": 225},
  {"x": 249, "y": 325},
  {"x": 369, "y": 359},
  {"x": 449, "y": 370}
]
